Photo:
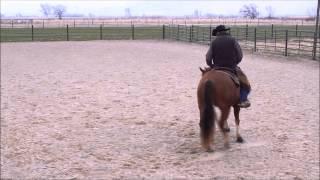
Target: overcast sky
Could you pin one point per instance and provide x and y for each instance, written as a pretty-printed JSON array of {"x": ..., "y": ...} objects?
[{"x": 163, "y": 8}]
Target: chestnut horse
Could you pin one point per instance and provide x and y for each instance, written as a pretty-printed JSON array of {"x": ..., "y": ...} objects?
[{"x": 216, "y": 88}]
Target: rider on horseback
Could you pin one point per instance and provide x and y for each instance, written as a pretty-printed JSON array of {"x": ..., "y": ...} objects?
[{"x": 225, "y": 52}]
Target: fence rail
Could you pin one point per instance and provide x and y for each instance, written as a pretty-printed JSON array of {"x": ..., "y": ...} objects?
[
  {"x": 96, "y": 22},
  {"x": 287, "y": 41}
]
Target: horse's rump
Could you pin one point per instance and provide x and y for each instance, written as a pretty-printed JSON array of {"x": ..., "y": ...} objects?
[
  {"x": 216, "y": 88},
  {"x": 226, "y": 89}
]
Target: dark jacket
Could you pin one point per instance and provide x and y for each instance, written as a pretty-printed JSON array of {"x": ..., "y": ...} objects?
[{"x": 224, "y": 51}]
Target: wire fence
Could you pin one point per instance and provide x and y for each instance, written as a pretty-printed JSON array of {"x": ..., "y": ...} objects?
[{"x": 282, "y": 40}]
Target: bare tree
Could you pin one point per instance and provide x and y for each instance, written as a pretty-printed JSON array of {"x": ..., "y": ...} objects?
[
  {"x": 270, "y": 12},
  {"x": 127, "y": 12},
  {"x": 250, "y": 11},
  {"x": 19, "y": 15},
  {"x": 91, "y": 15},
  {"x": 59, "y": 11},
  {"x": 46, "y": 9},
  {"x": 196, "y": 13},
  {"x": 312, "y": 13}
]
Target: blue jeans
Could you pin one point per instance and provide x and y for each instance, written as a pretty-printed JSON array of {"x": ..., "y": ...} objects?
[{"x": 244, "y": 92}]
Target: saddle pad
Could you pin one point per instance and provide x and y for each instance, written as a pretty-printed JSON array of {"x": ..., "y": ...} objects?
[{"x": 233, "y": 76}]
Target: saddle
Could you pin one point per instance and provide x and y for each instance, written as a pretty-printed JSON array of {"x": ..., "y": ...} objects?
[{"x": 231, "y": 72}]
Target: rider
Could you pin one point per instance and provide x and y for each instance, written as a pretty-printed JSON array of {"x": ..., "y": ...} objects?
[{"x": 226, "y": 52}]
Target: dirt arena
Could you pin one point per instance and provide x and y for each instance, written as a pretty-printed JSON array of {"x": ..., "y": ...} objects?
[{"x": 128, "y": 110}]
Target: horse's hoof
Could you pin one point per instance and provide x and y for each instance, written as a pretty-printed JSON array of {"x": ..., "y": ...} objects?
[
  {"x": 227, "y": 146},
  {"x": 209, "y": 150},
  {"x": 240, "y": 140},
  {"x": 226, "y": 129}
]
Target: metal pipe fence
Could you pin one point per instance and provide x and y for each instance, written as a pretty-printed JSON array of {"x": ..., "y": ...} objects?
[
  {"x": 105, "y": 21},
  {"x": 81, "y": 33},
  {"x": 266, "y": 40},
  {"x": 287, "y": 41}
]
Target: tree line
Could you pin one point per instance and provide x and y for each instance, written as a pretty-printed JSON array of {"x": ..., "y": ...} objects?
[{"x": 248, "y": 11}]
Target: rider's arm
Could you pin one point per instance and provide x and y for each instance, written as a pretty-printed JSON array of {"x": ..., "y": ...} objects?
[
  {"x": 209, "y": 55},
  {"x": 239, "y": 54}
]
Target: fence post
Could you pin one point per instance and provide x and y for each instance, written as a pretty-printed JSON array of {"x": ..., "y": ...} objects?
[
  {"x": 203, "y": 36},
  {"x": 100, "y": 31},
  {"x": 199, "y": 32},
  {"x": 163, "y": 32},
  {"x": 43, "y": 24},
  {"x": 178, "y": 33},
  {"x": 190, "y": 29},
  {"x": 191, "y": 33},
  {"x": 265, "y": 39},
  {"x": 314, "y": 55},
  {"x": 296, "y": 30},
  {"x": 169, "y": 31},
  {"x": 275, "y": 40},
  {"x": 32, "y": 34},
  {"x": 186, "y": 32},
  {"x": 74, "y": 23},
  {"x": 132, "y": 31},
  {"x": 210, "y": 29},
  {"x": 67, "y": 32},
  {"x": 286, "y": 45},
  {"x": 255, "y": 39},
  {"x": 271, "y": 30},
  {"x": 237, "y": 34},
  {"x": 315, "y": 39},
  {"x": 299, "y": 42},
  {"x": 246, "y": 32},
  {"x": 11, "y": 23}
]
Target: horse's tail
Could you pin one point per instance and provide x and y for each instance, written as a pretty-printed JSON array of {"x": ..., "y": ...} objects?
[{"x": 207, "y": 115}]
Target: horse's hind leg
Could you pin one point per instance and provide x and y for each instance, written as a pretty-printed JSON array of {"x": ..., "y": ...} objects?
[
  {"x": 223, "y": 120},
  {"x": 236, "y": 110},
  {"x": 226, "y": 127}
]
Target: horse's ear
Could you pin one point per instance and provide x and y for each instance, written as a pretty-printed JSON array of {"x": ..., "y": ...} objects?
[{"x": 202, "y": 70}]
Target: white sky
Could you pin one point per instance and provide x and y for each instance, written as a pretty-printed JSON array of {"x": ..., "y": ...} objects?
[{"x": 156, "y": 7}]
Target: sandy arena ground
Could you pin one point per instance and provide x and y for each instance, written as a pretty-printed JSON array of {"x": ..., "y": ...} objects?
[{"x": 128, "y": 110}]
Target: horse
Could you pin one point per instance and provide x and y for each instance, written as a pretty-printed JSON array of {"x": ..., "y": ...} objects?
[{"x": 217, "y": 88}]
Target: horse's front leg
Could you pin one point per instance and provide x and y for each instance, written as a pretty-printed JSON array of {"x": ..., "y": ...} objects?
[{"x": 236, "y": 110}]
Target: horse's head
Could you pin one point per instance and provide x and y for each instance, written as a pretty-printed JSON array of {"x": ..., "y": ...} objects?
[{"x": 205, "y": 70}]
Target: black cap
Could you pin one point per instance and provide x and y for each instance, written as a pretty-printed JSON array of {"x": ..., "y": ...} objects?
[{"x": 219, "y": 29}]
